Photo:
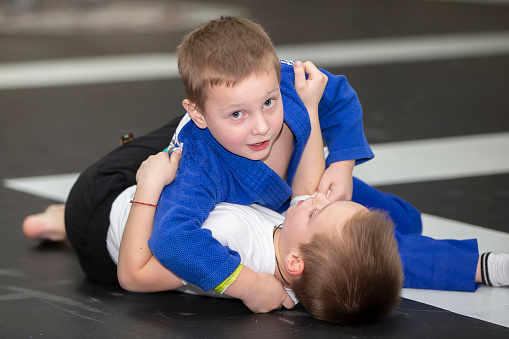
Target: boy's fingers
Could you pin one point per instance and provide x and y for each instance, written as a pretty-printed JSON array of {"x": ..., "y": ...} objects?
[
  {"x": 323, "y": 186},
  {"x": 300, "y": 74},
  {"x": 310, "y": 68},
  {"x": 177, "y": 152},
  {"x": 313, "y": 71},
  {"x": 288, "y": 302},
  {"x": 175, "y": 156},
  {"x": 333, "y": 195}
]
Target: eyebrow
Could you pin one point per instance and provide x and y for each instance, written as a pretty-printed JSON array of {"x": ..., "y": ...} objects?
[
  {"x": 275, "y": 89},
  {"x": 240, "y": 104},
  {"x": 231, "y": 107}
]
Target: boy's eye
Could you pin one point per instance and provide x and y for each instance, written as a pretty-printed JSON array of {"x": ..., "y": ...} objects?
[
  {"x": 312, "y": 212},
  {"x": 268, "y": 103},
  {"x": 236, "y": 115}
]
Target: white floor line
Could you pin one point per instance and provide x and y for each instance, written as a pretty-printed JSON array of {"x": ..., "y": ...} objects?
[
  {"x": 394, "y": 163},
  {"x": 402, "y": 49},
  {"x": 55, "y": 187},
  {"x": 93, "y": 70},
  {"x": 436, "y": 159},
  {"x": 326, "y": 54}
]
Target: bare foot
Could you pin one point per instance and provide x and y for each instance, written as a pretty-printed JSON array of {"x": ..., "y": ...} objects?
[{"x": 48, "y": 225}]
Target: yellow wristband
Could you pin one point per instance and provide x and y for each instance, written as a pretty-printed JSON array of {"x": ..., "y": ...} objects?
[{"x": 228, "y": 281}]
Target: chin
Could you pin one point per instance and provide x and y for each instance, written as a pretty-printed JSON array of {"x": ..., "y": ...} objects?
[
  {"x": 258, "y": 158},
  {"x": 262, "y": 155}
]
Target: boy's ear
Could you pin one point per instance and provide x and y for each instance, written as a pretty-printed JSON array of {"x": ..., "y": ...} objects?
[
  {"x": 194, "y": 113},
  {"x": 294, "y": 264}
]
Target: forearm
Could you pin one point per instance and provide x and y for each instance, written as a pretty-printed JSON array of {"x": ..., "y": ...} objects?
[
  {"x": 312, "y": 163},
  {"x": 260, "y": 292},
  {"x": 138, "y": 270},
  {"x": 134, "y": 252},
  {"x": 242, "y": 285},
  {"x": 344, "y": 167}
]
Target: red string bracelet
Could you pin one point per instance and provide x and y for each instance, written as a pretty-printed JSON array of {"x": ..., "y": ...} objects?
[{"x": 142, "y": 203}]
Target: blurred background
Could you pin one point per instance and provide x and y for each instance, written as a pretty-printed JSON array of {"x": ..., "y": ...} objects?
[{"x": 76, "y": 75}]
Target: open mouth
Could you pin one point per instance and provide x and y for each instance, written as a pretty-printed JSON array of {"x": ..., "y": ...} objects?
[{"x": 259, "y": 146}]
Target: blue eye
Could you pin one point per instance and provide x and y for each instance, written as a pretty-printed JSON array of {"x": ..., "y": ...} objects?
[
  {"x": 236, "y": 115},
  {"x": 269, "y": 103}
]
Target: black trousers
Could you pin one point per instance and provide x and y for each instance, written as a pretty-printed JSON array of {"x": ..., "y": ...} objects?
[{"x": 88, "y": 206}]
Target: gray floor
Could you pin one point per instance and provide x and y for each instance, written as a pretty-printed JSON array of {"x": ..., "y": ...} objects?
[{"x": 62, "y": 128}]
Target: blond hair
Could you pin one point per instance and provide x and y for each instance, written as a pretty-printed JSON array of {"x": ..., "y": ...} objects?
[
  {"x": 352, "y": 276},
  {"x": 224, "y": 51}
]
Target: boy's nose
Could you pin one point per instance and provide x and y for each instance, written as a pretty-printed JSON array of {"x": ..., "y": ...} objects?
[
  {"x": 321, "y": 198},
  {"x": 261, "y": 125}
]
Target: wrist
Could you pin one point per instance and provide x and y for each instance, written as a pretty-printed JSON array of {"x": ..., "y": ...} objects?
[
  {"x": 344, "y": 165},
  {"x": 147, "y": 195},
  {"x": 222, "y": 287},
  {"x": 243, "y": 284}
]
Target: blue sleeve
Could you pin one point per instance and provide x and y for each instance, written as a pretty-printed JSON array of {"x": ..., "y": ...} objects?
[
  {"x": 340, "y": 115},
  {"x": 438, "y": 264},
  {"x": 178, "y": 241}
]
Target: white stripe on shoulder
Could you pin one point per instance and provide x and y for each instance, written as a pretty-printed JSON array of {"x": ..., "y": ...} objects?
[
  {"x": 174, "y": 140},
  {"x": 287, "y": 62}
]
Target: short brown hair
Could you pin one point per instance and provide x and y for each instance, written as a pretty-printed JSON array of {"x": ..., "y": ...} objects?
[
  {"x": 352, "y": 276},
  {"x": 224, "y": 51}
]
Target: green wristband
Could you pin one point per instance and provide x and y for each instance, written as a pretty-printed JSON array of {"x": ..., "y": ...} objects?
[{"x": 228, "y": 281}]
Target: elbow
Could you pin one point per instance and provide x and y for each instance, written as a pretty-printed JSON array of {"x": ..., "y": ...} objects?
[
  {"x": 128, "y": 280},
  {"x": 125, "y": 281}
]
